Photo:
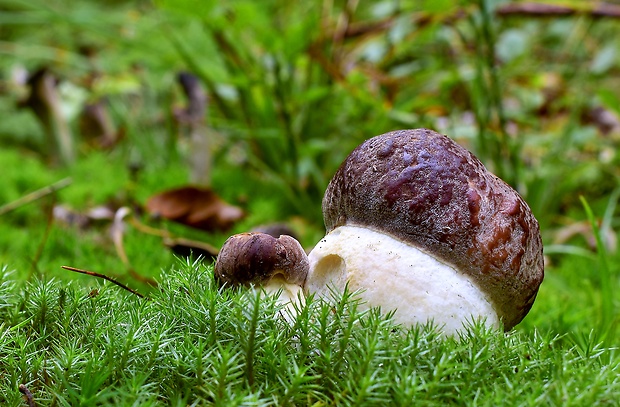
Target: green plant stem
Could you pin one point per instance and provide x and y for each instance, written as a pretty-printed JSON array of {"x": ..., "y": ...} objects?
[
  {"x": 48, "y": 228},
  {"x": 506, "y": 148},
  {"x": 607, "y": 298},
  {"x": 33, "y": 196},
  {"x": 287, "y": 121},
  {"x": 488, "y": 101},
  {"x": 250, "y": 349}
]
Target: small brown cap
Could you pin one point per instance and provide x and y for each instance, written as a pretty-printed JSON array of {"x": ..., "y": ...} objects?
[
  {"x": 422, "y": 188},
  {"x": 254, "y": 258}
]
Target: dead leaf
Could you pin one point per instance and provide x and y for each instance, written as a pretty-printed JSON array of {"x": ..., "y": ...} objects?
[{"x": 199, "y": 208}]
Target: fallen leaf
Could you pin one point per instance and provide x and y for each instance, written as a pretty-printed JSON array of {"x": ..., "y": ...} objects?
[{"x": 200, "y": 208}]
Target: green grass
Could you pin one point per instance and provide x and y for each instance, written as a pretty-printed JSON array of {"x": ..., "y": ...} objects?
[{"x": 192, "y": 344}]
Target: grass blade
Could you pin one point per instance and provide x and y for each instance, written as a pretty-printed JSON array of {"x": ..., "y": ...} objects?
[{"x": 607, "y": 301}]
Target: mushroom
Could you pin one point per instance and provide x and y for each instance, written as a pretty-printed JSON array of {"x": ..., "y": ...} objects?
[
  {"x": 420, "y": 227},
  {"x": 261, "y": 260}
]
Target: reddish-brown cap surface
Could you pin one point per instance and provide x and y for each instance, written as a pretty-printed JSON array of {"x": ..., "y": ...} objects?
[{"x": 424, "y": 189}]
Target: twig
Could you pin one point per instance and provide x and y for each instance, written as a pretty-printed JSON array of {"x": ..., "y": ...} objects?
[
  {"x": 110, "y": 279},
  {"x": 532, "y": 9},
  {"x": 133, "y": 221},
  {"x": 117, "y": 232},
  {"x": 29, "y": 397},
  {"x": 45, "y": 102},
  {"x": 33, "y": 196},
  {"x": 171, "y": 240}
]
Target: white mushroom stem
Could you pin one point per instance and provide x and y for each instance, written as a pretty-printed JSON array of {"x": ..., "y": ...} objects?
[
  {"x": 291, "y": 296},
  {"x": 397, "y": 277}
]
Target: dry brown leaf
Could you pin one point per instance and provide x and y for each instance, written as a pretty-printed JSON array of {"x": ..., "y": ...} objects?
[{"x": 200, "y": 208}]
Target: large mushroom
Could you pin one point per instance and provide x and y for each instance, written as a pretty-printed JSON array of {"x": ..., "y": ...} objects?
[{"x": 419, "y": 226}]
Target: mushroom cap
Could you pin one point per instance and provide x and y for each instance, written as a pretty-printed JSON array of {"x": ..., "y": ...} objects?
[
  {"x": 255, "y": 258},
  {"x": 422, "y": 188}
]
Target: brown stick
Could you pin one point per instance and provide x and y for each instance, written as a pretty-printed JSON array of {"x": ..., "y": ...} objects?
[
  {"x": 533, "y": 9},
  {"x": 110, "y": 279},
  {"x": 117, "y": 232},
  {"x": 45, "y": 102},
  {"x": 27, "y": 394},
  {"x": 133, "y": 221}
]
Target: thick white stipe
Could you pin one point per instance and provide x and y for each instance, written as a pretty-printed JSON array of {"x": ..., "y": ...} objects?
[{"x": 396, "y": 276}]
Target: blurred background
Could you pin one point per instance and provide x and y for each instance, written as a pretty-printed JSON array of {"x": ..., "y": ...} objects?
[{"x": 132, "y": 132}]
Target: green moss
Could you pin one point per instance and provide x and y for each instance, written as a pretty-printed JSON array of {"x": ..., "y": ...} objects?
[{"x": 194, "y": 343}]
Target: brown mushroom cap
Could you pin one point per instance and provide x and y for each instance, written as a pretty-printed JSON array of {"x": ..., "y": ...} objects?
[
  {"x": 422, "y": 188},
  {"x": 254, "y": 258}
]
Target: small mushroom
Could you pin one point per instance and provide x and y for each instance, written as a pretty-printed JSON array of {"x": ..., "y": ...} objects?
[
  {"x": 261, "y": 260},
  {"x": 418, "y": 225}
]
